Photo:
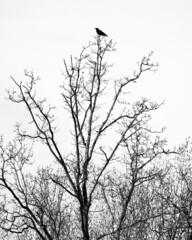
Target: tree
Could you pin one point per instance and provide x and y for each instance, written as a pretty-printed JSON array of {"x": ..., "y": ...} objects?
[
  {"x": 95, "y": 192},
  {"x": 174, "y": 191}
]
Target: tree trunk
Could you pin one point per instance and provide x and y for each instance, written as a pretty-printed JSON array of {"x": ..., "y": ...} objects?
[{"x": 84, "y": 221}]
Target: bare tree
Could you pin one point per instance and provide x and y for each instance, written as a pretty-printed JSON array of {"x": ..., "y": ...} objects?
[
  {"x": 35, "y": 207},
  {"x": 95, "y": 193},
  {"x": 174, "y": 192}
]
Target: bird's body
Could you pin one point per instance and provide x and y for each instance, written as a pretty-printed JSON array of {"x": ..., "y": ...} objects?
[{"x": 100, "y": 33}]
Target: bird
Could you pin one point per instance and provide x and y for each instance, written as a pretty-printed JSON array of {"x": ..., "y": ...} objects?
[{"x": 100, "y": 33}]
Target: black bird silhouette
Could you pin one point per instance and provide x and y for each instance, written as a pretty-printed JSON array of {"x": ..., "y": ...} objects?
[{"x": 100, "y": 33}]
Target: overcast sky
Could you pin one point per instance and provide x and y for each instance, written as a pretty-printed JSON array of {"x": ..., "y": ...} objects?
[{"x": 38, "y": 34}]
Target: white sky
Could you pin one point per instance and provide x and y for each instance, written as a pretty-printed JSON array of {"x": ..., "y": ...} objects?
[{"x": 38, "y": 34}]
